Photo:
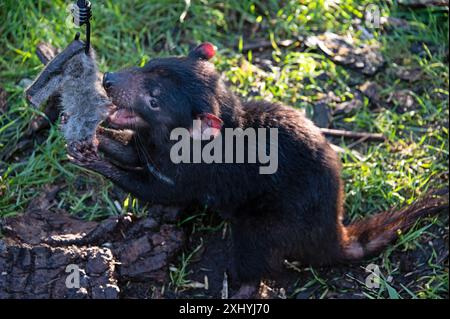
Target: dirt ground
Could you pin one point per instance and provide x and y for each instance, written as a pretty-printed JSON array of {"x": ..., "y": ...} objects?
[
  {"x": 111, "y": 256},
  {"x": 129, "y": 257}
]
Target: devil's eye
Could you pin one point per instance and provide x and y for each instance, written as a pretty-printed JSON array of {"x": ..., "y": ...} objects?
[{"x": 152, "y": 103}]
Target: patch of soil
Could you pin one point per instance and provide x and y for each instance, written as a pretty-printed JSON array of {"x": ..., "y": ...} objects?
[
  {"x": 350, "y": 106},
  {"x": 403, "y": 101},
  {"x": 322, "y": 116},
  {"x": 328, "y": 106},
  {"x": 110, "y": 257},
  {"x": 365, "y": 59},
  {"x": 410, "y": 74},
  {"x": 372, "y": 91}
]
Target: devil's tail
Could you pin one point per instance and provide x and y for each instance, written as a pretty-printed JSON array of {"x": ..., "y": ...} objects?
[{"x": 369, "y": 236}]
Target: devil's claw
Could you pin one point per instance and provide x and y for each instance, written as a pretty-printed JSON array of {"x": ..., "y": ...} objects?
[{"x": 82, "y": 153}]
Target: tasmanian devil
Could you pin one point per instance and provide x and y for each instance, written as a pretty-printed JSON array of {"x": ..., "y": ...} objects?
[{"x": 296, "y": 213}]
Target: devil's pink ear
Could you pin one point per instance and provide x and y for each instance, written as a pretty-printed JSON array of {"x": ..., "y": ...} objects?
[
  {"x": 206, "y": 126},
  {"x": 205, "y": 51}
]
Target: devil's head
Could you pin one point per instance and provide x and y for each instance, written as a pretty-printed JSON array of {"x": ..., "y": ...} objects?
[{"x": 167, "y": 93}]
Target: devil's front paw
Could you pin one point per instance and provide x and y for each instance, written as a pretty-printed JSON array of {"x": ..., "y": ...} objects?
[{"x": 83, "y": 153}]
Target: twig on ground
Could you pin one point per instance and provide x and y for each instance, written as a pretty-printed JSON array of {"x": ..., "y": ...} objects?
[
  {"x": 361, "y": 140},
  {"x": 354, "y": 135}
]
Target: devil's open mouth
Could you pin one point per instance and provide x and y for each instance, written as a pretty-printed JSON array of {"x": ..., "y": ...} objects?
[{"x": 121, "y": 117}]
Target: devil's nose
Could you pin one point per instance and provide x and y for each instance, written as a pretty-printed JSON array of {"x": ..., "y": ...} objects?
[{"x": 108, "y": 80}]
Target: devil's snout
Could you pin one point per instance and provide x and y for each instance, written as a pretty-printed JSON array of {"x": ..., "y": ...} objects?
[{"x": 108, "y": 80}]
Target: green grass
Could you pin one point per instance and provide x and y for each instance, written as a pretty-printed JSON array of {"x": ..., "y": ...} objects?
[
  {"x": 179, "y": 276},
  {"x": 129, "y": 33}
]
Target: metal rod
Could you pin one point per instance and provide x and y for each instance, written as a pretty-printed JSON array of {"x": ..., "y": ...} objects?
[{"x": 88, "y": 37}]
